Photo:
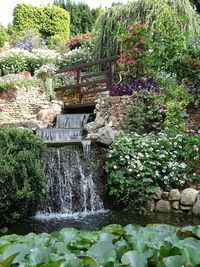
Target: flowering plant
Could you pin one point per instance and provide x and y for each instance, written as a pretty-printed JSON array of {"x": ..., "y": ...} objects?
[
  {"x": 13, "y": 80},
  {"x": 135, "y": 49},
  {"x": 79, "y": 40},
  {"x": 30, "y": 40},
  {"x": 137, "y": 164}
]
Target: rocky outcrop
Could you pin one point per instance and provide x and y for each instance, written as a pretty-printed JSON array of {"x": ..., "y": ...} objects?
[{"x": 163, "y": 206}]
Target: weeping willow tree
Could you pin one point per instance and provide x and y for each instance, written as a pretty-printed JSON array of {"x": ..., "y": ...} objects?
[{"x": 150, "y": 12}]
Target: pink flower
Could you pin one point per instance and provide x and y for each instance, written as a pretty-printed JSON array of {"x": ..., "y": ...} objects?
[
  {"x": 121, "y": 61},
  {"x": 134, "y": 62},
  {"x": 133, "y": 36},
  {"x": 143, "y": 24},
  {"x": 134, "y": 46},
  {"x": 141, "y": 41},
  {"x": 125, "y": 54},
  {"x": 118, "y": 40},
  {"x": 120, "y": 50},
  {"x": 149, "y": 27},
  {"x": 1, "y": 108},
  {"x": 140, "y": 51},
  {"x": 129, "y": 61},
  {"x": 129, "y": 27},
  {"x": 128, "y": 57},
  {"x": 135, "y": 55},
  {"x": 124, "y": 74},
  {"x": 137, "y": 25},
  {"x": 152, "y": 45},
  {"x": 131, "y": 50},
  {"x": 136, "y": 32}
]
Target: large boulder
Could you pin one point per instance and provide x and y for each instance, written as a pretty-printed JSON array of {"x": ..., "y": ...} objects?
[
  {"x": 163, "y": 206},
  {"x": 46, "y": 115},
  {"x": 174, "y": 194},
  {"x": 189, "y": 196}
]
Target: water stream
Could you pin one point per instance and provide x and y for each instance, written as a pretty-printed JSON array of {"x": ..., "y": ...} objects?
[{"x": 71, "y": 168}]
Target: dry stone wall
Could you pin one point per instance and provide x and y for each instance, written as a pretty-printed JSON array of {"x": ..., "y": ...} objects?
[
  {"x": 186, "y": 201},
  {"x": 23, "y": 104}
]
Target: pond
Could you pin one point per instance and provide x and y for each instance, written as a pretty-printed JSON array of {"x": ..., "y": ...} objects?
[{"x": 92, "y": 221}]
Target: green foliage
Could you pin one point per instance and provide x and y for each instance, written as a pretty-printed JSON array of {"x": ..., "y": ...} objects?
[
  {"x": 49, "y": 21},
  {"x": 130, "y": 246},
  {"x": 3, "y": 36},
  {"x": 143, "y": 11},
  {"x": 137, "y": 164},
  {"x": 82, "y": 17},
  {"x": 22, "y": 180}
]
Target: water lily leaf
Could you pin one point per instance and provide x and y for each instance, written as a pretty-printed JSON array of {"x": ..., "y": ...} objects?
[
  {"x": 88, "y": 260},
  {"x": 53, "y": 264},
  {"x": 74, "y": 263},
  {"x": 68, "y": 235},
  {"x": 173, "y": 261},
  {"x": 106, "y": 237},
  {"x": 115, "y": 229},
  {"x": 7, "y": 262},
  {"x": 39, "y": 255},
  {"x": 109, "y": 264},
  {"x": 20, "y": 249},
  {"x": 135, "y": 259},
  {"x": 190, "y": 248},
  {"x": 103, "y": 251},
  {"x": 194, "y": 229}
]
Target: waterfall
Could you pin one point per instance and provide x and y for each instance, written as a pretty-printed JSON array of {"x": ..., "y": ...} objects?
[{"x": 71, "y": 167}]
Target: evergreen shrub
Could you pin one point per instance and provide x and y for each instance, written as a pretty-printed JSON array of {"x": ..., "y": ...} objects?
[{"x": 22, "y": 180}]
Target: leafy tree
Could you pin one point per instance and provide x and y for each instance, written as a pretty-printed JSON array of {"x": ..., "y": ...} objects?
[{"x": 82, "y": 17}]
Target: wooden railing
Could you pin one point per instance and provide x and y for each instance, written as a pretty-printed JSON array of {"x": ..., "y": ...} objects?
[{"x": 108, "y": 80}]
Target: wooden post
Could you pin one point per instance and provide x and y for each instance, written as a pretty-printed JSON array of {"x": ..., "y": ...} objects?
[
  {"x": 79, "y": 82},
  {"x": 111, "y": 72}
]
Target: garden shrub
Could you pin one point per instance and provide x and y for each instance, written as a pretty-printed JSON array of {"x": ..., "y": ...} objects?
[
  {"x": 49, "y": 21},
  {"x": 22, "y": 180},
  {"x": 137, "y": 164},
  {"x": 3, "y": 36}
]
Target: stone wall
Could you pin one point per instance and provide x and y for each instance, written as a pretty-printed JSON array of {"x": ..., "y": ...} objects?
[
  {"x": 186, "y": 201},
  {"x": 23, "y": 104},
  {"x": 111, "y": 118}
]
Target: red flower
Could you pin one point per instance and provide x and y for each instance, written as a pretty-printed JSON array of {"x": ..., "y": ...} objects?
[
  {"x": 140, "y": 51},
  {"x": 121, "y": 61},
  {"x": 152, "y": 45},
  {"x": 141, "y": 41}
]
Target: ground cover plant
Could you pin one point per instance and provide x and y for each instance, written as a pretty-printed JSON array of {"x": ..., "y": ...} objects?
[
  {"x": 114, "y": 245},
  {"x": 22, "y": 180}
]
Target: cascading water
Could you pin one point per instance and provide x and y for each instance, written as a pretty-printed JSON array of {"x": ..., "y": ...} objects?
[{"x": 71, "y": 168}]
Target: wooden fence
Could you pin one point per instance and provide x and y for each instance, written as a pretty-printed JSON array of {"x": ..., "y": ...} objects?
[{"x": 108, "y": 80}]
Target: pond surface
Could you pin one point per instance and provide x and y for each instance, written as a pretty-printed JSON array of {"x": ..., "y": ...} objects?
[{"x": 95, "y": 221}]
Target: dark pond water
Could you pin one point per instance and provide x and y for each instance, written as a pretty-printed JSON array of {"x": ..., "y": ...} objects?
[{"x": 95, "y": 221}]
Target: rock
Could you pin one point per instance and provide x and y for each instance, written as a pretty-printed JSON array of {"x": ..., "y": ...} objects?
[
  {"x": 196, "y": 208},
  {"x": 186, "y": 208},
  {"x": 56, "y": 107},
  {"x": 174, "y": 194},
  {"x": 165, "y": 195},
  {"x": 188, "y": 196},
  {"x": 176, "y": 205},
  {"x": 106, "y": 135},
  {"x": 157, "y": 194},
  {"x": 163, "y": 206},
  {"x": 46, "y": 115},
  {"x": 150, "y": 205}
]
